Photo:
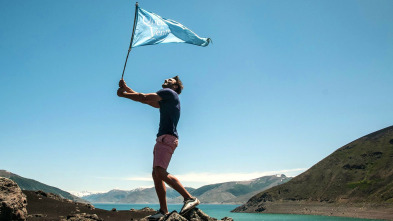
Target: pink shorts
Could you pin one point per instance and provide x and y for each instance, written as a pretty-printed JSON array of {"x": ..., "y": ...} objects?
[{"x": 163, "y": 150}]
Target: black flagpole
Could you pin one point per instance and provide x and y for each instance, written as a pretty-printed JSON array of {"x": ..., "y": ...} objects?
[{"x": 132, "y": 38}]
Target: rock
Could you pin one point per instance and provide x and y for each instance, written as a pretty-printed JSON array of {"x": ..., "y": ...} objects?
[
  {"x": 114, "y": 210},
  {"x": 90, "y": 206},
  {"x": 174, "y": 216},
  {"x": 51, "y": 195},
  {"x": 12, "y": 201},
  {"x": 41, "y": 193},
  {"x": 193, "y": 215},
  {"x": 197, "y": 214},
  {"x": 35, "y": 215},
  {"x": 82, "y": 217},
  {"x": 147, "y": 209}
]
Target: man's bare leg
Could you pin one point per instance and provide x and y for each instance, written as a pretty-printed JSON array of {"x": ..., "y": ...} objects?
[
  {"x": 173, "y": 182},
  {"x": 162, "y": 175},
  {"x": 161, "y": 191}
]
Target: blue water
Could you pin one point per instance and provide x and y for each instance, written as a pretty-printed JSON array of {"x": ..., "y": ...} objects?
[{"x": 220, "y": 211}]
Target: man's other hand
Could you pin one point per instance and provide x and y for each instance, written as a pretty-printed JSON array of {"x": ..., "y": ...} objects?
[{"x": 120, "y": 92}]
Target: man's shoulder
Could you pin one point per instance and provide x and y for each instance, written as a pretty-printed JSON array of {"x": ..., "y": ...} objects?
[
  {"x": 166, "y": 90},
  {"x": 167, "y": 93}
]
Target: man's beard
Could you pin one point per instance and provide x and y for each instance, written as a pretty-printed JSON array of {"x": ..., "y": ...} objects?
[{"x": 167, "y": 85}]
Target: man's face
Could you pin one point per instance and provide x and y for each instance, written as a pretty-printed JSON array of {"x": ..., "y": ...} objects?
[{"x": 169, "y": 83}]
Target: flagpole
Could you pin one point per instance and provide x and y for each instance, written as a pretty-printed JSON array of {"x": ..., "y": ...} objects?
[{"x": 132, "y": 38}]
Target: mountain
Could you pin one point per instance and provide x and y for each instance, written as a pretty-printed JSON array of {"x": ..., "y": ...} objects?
[
  {"x": 33, "y": 185},
  {"x": 236, "y": 192},
  {"x": 359, "y": 174},
  {"x": 137, "y": 196},
  {"x": 83, "y": 193},
  {"x": 229, "y": 192}
]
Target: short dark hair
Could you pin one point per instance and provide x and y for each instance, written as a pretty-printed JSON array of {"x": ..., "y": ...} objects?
[{"x": 179, "y": 84}]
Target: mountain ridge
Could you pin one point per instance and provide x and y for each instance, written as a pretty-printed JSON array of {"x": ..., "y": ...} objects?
[
  {"x": 359, "y": 173},
  {"x": 234, "y": 192}
]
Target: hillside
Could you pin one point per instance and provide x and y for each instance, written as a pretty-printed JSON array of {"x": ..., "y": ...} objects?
[
  {"x": 358, "y": 174},
  {"x": 237, "y": 192},
  {"x": 33, "y": 185},
  {"x": 229, "y": 192}
]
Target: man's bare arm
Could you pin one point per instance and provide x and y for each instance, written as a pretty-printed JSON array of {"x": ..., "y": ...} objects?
[{"x": 151, "y": 99}]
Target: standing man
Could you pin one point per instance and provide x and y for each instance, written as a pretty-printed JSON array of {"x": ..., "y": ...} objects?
[{"x": 167, "y": 99}]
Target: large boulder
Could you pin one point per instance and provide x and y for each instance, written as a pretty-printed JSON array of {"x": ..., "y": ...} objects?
[{"x": 12, "y": 201}]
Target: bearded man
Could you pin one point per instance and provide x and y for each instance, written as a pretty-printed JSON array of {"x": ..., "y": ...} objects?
[{"x": 167, "y": 100}]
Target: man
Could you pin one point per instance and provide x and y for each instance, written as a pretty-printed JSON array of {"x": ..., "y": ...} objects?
[{"x": 167, "y": 100}]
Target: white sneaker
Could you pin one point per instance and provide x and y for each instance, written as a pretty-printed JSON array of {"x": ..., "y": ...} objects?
[
  {"x": 189, "y": 204},
  {"x": 159, "y": 214}
]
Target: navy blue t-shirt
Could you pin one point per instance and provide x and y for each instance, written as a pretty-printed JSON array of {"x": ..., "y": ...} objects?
[{"x": 169, "y": 112}]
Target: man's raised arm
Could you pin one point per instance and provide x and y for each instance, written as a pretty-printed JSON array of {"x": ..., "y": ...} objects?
[{"x": 151, "y": 99}]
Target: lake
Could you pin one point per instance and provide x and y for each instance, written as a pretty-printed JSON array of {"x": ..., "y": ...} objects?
[{"x": 220, "y": 211}]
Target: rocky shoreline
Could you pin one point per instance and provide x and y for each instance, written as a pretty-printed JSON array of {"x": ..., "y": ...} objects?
[{"x": 358, "y": 210}]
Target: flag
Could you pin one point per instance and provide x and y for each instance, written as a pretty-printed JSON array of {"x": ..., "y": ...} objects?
[{"x": 152, "y": 29}]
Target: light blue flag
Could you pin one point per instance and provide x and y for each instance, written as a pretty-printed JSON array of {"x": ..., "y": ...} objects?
[{"x": 151, "y": 29}]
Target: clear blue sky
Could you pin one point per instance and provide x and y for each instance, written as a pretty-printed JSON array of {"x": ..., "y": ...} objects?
[{"x": 284, "y": 84}]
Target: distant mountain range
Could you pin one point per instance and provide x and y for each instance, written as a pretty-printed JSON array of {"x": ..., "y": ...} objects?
[
  {"x": 228, "y": 193},
  {"x": 359, "y": 173},
  {"x": 137, "y": 196},
  {"x": 236, "y": 192},
  {"x": 84, "y": 193},
  {"x": 33, "y": 185}
]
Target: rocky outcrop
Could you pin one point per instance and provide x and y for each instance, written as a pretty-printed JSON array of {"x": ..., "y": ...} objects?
[
  {"x": 194, "y": 215},
  {"x": 50, "y": 195},
  {"x": 174, "y": 216},
  {"x": 12, "y": 201},
  {"x": 82, "y": 217},
  {"x": 147, "y": 209}
]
